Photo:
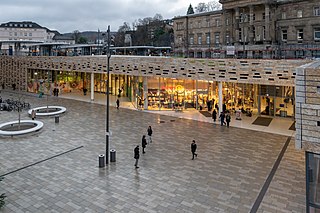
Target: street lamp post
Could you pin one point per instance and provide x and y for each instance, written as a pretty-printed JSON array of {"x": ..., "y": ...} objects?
[{"x": 107, "y": 113}]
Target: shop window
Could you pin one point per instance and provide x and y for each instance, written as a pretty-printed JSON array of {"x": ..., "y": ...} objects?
[{"x": 313, "y": 186}]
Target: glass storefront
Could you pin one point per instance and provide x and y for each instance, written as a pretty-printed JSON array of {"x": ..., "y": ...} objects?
[
  {"x": 277, "y": 100},
  {"x": 156, "y": 93},
  {"x": 313, "y": 182}
]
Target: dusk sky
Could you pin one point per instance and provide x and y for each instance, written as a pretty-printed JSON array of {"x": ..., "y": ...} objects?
[{"x": 83, "y": 15}]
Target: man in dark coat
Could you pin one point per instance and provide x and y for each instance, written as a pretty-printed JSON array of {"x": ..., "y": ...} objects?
[
  {"x": 194, "y": 149},
  {"x": 136, "y": 156},
  {"x": 214, "y": 115},
  {"x": 222, "y": 117},
  {"x": 144, "y": 143}
]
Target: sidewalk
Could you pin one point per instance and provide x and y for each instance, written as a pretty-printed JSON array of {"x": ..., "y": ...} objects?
[{"x": 277, "y": 126}]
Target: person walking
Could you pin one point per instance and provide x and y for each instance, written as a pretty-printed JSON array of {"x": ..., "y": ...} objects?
[
  {"x": 228, "y": 119},
  {"x": 136, "y": 156},
  {"x": 194, "y": 149},
  {"x": 149, "y": 131},
  {"x": 222, "y": 117},
  {"x": 214, "y": 115},
  {"x": 144, "y": 143},
  {"x": 118, "y": 103},
  {"x": 33, "y": 114}
]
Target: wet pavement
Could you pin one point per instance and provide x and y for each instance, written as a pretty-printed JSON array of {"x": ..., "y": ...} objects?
[{"x": 56, "y": 169}]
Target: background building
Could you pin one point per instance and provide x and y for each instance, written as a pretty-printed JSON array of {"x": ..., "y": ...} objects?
[
  {"x": 19, "y": 37},
  {"x": 258, "y": 29}
]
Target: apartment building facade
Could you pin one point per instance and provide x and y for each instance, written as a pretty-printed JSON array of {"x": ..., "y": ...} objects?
[{"x": 278, "y": 29}]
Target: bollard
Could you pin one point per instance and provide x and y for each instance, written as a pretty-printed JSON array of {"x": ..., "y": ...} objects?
[
  {"x": 112, "y": 155},
  {"x": 56, "y": 119},
  {"x": 101, "y": 161}
]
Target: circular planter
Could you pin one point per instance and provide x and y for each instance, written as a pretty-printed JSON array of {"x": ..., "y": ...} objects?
[
  {"x": 26, "y": 126},
  {"x": 48, "y": 111}
]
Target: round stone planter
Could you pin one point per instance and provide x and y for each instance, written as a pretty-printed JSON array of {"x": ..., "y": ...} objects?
[
  {"x": 12, "y": 128},
  {"x": 48, "y": 111}
]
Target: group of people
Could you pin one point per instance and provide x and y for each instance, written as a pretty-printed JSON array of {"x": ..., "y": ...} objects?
[
  {"x": 55, "y": 92},
  {"x": 224, "y": 117},
  {"x": 144, "y": 143}
]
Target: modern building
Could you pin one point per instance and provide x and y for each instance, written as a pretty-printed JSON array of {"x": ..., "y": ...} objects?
[
  {"x": 307, "y": 128},
  {"x": 251, "y": 29}
]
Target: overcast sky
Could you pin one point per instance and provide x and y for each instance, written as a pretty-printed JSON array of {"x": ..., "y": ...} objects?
[{"x": 85, "y": 15}]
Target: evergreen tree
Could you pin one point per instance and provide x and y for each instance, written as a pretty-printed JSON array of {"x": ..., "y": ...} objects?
[{"x": 190, "y": 10}]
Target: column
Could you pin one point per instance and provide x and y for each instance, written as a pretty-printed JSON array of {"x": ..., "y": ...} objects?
[
  {"x": 251, "y": 35},
  {"x": 145, "y": 92},
  {"x": 196, "y": 94},
  {"x": 220, "y": 97},
  {"x": 92, "y": 86},
  {"x": 267, "y": 22},
  {"x": 236, "y": 39}
]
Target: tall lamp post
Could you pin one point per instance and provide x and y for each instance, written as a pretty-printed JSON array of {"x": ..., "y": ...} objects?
[{"x": 107, "y": 113}]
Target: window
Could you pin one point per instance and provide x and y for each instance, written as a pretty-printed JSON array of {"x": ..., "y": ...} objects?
[
  {"x": 199, "y": 39},
  {"x": 284, "y": 35},
  {"x": 179, "y": 26},
  {"x": 299, "y": 13},
  {"x": 30, "y": 34},
  {"x": 25, "y": 34},
  {"x": 217, "y": 22},
  {"x": 208, "y": 22},
  {"x": 263, "y": 16},
  {"x": 191, "y": 39},
  {"x": 227, "y": 21},
  {"x": 240, "y": 34},
  {"x": 227, "y": 38},
  {"x": 199, "y": 24},
  {"x": 283, "y": 15},
  {"x": 300, "y": 34},
  {"x": 254, "y": 17},
  {"x": 264, "y": 32},
  {"x": 254, "y": 31},
  {"x": 190, "y": 25},
  {"x": 217, "y": 38},
  {"x": 10, "y": 33},
  {"x": 208, "y": 38},
  {"x": 317, "y": 34},
  {"x": 15, "y": 34},
  {"x": 316, "y": 11}
]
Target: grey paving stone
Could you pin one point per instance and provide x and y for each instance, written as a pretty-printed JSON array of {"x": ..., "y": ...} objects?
[{"x": 227, "y": 175}]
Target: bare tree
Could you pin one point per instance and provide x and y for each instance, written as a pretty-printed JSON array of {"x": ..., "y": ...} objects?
[
  {"x": 202, "y": 7},
  {"x": 214, "y": 5}
]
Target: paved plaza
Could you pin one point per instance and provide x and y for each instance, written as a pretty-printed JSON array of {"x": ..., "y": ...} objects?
[{"x": 56, "y": 169}]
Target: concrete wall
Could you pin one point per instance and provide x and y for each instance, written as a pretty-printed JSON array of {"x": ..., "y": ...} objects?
[{"x": 308, "y": 107}]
